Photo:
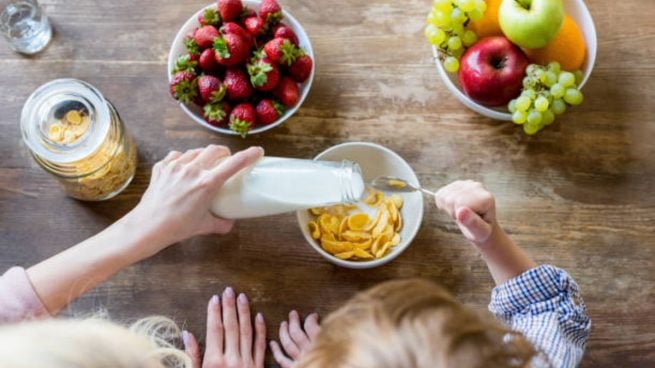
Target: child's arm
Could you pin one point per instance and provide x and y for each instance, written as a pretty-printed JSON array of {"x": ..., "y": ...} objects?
[
  {"x": 474, "y": 210},
  {"x": 174, "y": 207},
  {"x": 541, "y": 302}
]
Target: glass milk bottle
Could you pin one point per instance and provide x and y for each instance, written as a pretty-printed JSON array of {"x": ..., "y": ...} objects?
[
  {"x": 24, "y": 25},
  {"x": 76, "y": 135},
  {"x": 277, "y": 185}
]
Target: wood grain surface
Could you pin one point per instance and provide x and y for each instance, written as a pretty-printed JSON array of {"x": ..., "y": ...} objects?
[{"x": 580, "y": 195}]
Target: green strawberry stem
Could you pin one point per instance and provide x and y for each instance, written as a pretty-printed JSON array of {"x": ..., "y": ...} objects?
[
  {"x": 221, "y": 48},
  {"x": 240, "y": 126}
]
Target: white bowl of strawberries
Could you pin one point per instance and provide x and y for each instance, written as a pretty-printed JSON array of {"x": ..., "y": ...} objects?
[{"x": 241, "y": 67}]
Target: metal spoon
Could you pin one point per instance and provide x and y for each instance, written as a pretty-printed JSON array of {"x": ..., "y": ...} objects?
[{"x": 393, "y": 184}]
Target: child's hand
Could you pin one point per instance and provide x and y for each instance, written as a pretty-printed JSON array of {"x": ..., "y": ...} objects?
[
  {"x": 471, "y": 206},
  {"x": 295, "y": 339},
  {"x": 176, "y": 204},
  {"x": 229, "y": 342}
]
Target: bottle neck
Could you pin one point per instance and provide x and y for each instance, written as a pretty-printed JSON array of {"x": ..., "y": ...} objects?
[{"x": 351, "y": 182}]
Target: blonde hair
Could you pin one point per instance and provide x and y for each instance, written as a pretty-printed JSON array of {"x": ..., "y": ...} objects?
[
  {"x": 413, "y": 323},
  {"x": 91, "y": 343}
]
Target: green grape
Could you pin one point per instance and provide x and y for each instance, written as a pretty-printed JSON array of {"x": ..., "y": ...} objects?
[
  {"x": 547, "y": 95},
  {"x": 530, "y": 129},
  {"x": 475, "y": 15},
  {"x": 512, "y": 106},
  {"x": 458, "y": 29},
  {"x": 531, "y": 69},
  {"x": 481, "y": 5},
  {"x": 541, "y": 104},
  {"x": 540, "y": 74},
  {"x": 529, "y": 93},
  {"x": 454, "y": 43},
  {"x": 457, "y": 16},
  {"x": 549, "y": 79},
  {"x": 578, "y": 77},
  {"x": 549, "y": 117},
  {"x": 554, "y": 67},
  {"x": 444, "y": 5},
  {"x": 457, "y": 53},
  {"x": 567, "y": 79},
  {"x": 451, "y": 64},
  {"x": 469, "y": 38},
  {"x": 558, "y": 106},
  {"x": 534, "y": 117},
  {"x": 557, "y": 90},
  {"x": 523, "y": 103},
  {"x": 529, "y": 83},
  {"x": 430, "y": 33},
  {"x": 519, "y": 117},
  {"x": 466, "y": 5},
  {"x": 440, "y": 18},
  {"x": 573, "y": 96}
]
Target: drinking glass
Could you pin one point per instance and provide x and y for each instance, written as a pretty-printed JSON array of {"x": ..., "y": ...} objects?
[{"x": 24, "y": 25}]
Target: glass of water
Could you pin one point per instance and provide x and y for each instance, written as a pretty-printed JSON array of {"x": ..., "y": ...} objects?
[{"x": 24, "y": 25}]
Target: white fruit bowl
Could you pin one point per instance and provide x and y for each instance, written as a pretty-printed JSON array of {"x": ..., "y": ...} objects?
[
  {"x": 374, "y": 160},
  {"x": 195, "y": 112},
  {"x": 577, "y": 10}
]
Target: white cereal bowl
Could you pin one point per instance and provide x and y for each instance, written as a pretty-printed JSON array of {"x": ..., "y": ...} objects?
[
  {"x": 577, "y": 10},
  {"x": 374, "y": 160},
  {"x": 178, "y": 49}
]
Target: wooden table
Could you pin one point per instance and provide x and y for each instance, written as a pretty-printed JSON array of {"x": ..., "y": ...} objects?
[{"x": 580, "y": 195}]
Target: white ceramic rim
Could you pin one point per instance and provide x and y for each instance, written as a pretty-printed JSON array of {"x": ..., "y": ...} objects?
[
  {"x": 506, "y": 116},
  {"x": 304, "y": 87},
  {"x": 405, "y": 243}
]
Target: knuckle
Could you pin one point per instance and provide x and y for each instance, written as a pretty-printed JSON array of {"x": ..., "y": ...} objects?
[{"x": 213, "y": 362}]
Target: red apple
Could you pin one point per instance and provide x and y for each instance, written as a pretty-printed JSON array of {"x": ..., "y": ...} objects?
[{"x": 492, "y": 71}]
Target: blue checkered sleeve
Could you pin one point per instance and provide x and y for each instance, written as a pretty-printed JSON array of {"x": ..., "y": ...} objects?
[{"x": 545, "y": 305}]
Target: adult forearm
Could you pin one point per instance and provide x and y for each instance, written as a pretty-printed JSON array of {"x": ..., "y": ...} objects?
[
  {"x": 67, "y": 275},
  {"x": 504, "y": 258}
]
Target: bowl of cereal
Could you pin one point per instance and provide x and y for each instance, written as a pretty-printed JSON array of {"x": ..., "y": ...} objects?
[{"x": 378, "y": 228}]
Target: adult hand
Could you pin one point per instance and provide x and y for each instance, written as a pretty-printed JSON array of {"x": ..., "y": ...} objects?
[
  {"x": 176, "y": 204},
  {"x": 229, "y": 342},
  {"x": 294, "y": 338}
]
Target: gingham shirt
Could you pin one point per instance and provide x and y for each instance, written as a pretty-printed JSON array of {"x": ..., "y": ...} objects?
[{"x": 545, "y": 305}]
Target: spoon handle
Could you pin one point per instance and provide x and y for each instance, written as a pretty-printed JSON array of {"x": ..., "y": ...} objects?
[{"x": 425, "y": 191}]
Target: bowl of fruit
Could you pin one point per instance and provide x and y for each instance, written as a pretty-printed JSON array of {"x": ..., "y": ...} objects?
[
  {"x": 515, "y": 60},
  {"x": 241, "y": 67}
]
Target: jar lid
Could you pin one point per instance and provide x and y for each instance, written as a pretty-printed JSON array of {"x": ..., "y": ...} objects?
[{"x": 49, "y": 105}]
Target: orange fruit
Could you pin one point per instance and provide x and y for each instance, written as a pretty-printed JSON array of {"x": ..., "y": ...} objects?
[
  {"x": 567, "y": 48},
  {"x": 488, "y": 26}
]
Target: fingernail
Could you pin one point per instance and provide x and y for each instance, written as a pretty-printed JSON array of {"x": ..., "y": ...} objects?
[
  {"x": 215, "y": 300},
  {"x": 229, "y": 292},
  {"x": 293, "y": 313},
  {"x": 260, "y": 318},
  {"x": 243, "y": 299},
  {"x": 186, "y": 338}
]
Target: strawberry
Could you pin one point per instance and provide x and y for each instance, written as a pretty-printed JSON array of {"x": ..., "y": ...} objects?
[
  {"x": 190, "y": 42},
  {"x": 184, "y": 87},
  {"x": 301, "y": 68},
  {"x": 287, "y": 92},
  {"x": 242, "y": 118},
  {"x": 216, "y": 114},
  {"x": 237, "y": 84},
  {"x": 209, "y": 17},
  {"x": 255, "y": 25},
  {"x": 231, "y": 49},
  {"x": 186, "y": 63},
  {"x": 207, "y": 61},
  {"x": 205, "y": 36},
  {"x": 281, "y": 51},
  {"x": 233, "y": 28},
  {"x": 268, "y": 111},
  {"x": 247, "y": 13},
  {"x": 264, "y": 75},
  {"x": 270, "y": 11},
  {"x": 211, "y": 89},
  {"x": 230, "y": 9},
  {"x": 284, "y": 31}
]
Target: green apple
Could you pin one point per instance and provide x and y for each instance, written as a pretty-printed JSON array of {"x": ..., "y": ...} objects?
[{"x": 531, "y": 23}]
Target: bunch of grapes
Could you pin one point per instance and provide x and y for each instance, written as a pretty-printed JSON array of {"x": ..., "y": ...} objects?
[
  {"x": 446, "y": 28},
  {"x": 547, "y": 91}
]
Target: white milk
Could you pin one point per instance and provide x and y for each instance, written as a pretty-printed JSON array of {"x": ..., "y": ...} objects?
[{"x": 277, "y": 185}]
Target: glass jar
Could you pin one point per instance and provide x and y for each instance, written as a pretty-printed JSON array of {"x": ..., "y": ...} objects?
[
  {"x": 277, "y": 185},
  {"x": 76, "y": 135}
]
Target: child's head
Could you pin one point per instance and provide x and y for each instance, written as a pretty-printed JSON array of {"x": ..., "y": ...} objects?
[
  {"x": 413, "y": 323},
  {"x": 93, "y": 343}
]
